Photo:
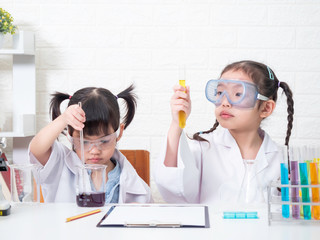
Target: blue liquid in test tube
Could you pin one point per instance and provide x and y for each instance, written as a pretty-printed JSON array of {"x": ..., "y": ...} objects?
[
  {"x": 305, "y": 190},
  {"x": 285, "y": 190}
]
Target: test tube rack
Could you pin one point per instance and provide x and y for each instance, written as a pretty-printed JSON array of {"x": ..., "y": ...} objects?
[{"x": 275, "y": 204}]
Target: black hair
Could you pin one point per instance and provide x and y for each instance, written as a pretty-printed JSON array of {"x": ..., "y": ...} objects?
[
  {"x": 100, "y": 106},
  {"x": 267, "y": 86}
]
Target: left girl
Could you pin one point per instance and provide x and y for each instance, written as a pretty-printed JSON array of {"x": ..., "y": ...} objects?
[{"x": 99, "y": 118}]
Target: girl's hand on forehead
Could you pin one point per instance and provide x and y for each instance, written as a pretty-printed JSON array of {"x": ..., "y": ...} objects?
[
  {"x": 180, "y": 101},
  {"x": 75, "y": 117}
]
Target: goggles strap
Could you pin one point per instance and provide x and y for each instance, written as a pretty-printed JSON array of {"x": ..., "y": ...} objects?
[{"x": 261, "y": 97}]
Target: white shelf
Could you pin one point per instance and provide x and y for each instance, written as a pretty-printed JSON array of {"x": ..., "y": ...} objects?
[
  {"x": 23, "y": 44},
  {"x": 23, "y": 93},
  {"x": 26, "y": 129},
  {"x": 9, "y": 51},
  {"x": 15, "y": 134}
]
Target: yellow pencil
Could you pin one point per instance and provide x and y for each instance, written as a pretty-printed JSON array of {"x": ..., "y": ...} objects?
[{"x": 83, "y": 215}]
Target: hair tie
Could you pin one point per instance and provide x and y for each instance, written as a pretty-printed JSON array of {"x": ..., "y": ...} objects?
[
  {"x": 279, "y": 84},
  {"x": 70, "y": 97},
  {"x": 271, "y": 76},
  {"x": 200, "y": 133},
  {"x": 116, "y": 97}
]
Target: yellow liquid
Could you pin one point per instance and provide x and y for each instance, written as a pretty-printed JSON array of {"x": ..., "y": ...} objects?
[
  {"x": 315, "y": 191},
  {"x": 317, "y": 160},
  {"x": 182, "y": 114}
]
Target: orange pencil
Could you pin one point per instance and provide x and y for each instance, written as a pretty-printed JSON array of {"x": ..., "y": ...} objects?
[{"x": 83, "y": 215}]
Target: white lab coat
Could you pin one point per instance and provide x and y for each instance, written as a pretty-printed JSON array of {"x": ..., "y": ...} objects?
[
  {"x": 208, "y": 173},
  {"x": 58, "y": 182}
]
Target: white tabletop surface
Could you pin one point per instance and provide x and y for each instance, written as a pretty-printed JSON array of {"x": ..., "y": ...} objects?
[{"x": 48, "y": 221}]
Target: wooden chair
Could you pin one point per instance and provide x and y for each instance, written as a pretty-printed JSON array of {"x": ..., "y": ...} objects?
[{"x": 140, "y": 160}]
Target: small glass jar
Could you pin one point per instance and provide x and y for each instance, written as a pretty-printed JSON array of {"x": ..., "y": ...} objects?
[{"x": 23, "y": 183}]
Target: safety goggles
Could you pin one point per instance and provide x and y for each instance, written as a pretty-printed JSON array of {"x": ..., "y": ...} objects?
[
  {"x": 238, "y": 93},
  {"x": 103, "y": 143}
]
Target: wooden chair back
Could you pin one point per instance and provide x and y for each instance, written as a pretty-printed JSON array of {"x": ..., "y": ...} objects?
[{"x": 140, "y": 160}]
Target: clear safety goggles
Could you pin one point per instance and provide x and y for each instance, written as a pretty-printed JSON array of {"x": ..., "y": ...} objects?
[
  {"x": 103, "y": 143},
  {"x": 238, "y": 93}
]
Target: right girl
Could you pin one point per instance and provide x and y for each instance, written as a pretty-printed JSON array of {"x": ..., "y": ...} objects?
[{"x": 211, "y": 167}]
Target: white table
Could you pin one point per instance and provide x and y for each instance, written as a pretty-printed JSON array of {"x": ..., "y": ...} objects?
[{"x": 48, "y": 221}]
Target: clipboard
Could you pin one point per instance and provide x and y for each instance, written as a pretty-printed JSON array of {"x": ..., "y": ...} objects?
[{"x": 157, "y": 216}]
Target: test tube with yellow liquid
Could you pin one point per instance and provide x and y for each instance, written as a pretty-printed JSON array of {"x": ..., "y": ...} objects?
[
  {"x": 182, "y": 114},
  {"x": 318, "y": 164},
  {"x": 315, "y": 190},
  {"x": 182, "y": 82}
]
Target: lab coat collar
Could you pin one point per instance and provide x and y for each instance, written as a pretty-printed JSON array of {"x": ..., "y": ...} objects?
[
  {"x": 267, "y": 147},
  {"x": 227, "y": 139}
]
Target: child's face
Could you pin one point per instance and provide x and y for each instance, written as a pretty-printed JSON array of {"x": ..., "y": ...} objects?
[
  {"x": 97, "y": 149},
  {"x": 237, "y": 118}
]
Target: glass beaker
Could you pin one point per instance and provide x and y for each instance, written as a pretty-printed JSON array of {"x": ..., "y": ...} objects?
[
  {"x": 91, "y": 185},
  {"x": 23, "y": 183}
]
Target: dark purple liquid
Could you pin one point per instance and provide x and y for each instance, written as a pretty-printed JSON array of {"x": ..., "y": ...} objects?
[
  {"x": 295, "y": 190},
  {"x": 91, "y": 199}
]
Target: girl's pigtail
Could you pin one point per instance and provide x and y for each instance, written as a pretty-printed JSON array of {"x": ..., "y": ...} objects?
[
  {"x": 131, "y": 101},
  {"x": 290, "y": 109},
  {"x": 197, "y": 137},
  {"x": 57, "y": 99}
]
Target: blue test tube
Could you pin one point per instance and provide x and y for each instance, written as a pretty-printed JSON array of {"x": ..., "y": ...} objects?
[
  {"x": 305, "y": 190},
  {"x": 285, "y": 190},
  {"x": 285, "y": 180},
  {"x": 294, "y": 156}
]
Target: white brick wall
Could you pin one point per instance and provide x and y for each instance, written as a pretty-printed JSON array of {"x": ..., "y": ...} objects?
[{"x": 114, "y": 43}]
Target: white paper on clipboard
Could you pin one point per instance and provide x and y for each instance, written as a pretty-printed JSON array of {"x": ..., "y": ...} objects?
[{"x": 156, "y": 216}]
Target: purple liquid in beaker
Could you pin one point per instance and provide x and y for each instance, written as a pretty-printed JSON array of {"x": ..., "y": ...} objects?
[{"x": 91, "y": 199}]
